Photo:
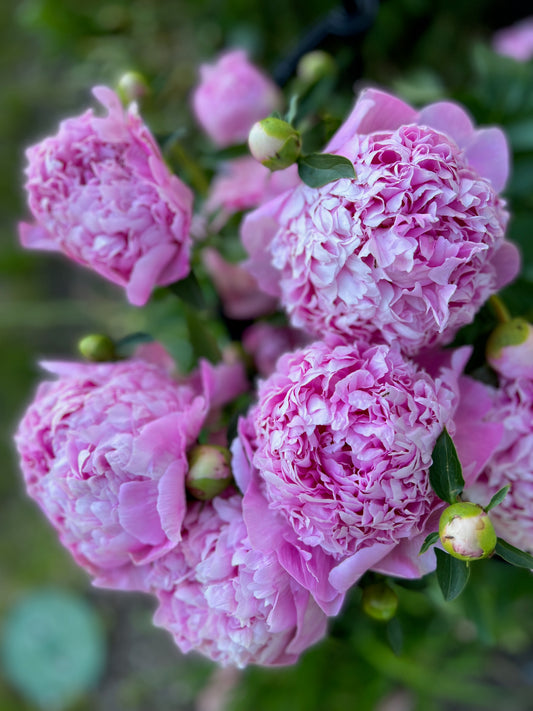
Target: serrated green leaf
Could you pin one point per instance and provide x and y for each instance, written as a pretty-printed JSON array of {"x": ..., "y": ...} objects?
[
  {"x": 429, "y": 541},
  {"x": 318, "y": 169},
  {"x": 452, "y": 574},
  {"x": 498, "y": 497},
  {"x": 513, "y": 555},
  {"x": 445, "y": 474}
]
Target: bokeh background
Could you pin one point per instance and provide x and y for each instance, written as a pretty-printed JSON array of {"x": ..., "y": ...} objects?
[{"x": 475, "y": 653}]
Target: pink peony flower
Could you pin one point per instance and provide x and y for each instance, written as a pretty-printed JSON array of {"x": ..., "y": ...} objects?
[
  {"x": 515, "y": 41},
  {"x": 406, "y": 252},
  {"x": 100, "y": 193},
  {"x": 266, "y": 343},
  {"x": 333, "y": 462},
  {"x": 230, "y": 602},
  {"x": 103, "y": 450},
  {"x": 244, "y": 183},
  {"x": 511, "y": 463},
  {"x": 232, "y": 95},
  {"x": 241, "y": 297}
]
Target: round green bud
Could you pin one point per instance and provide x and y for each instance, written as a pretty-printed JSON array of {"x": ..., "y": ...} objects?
[
  {"x": 209, "y": 471},
  {"x": 511, "y": 333},
  {"x": 97, "y": 347},
  {"x": 466, "y": 531},
  {"x": 132, "y": 86},
  {"x": 315, "y": 65},
  {"x": 274, "y": 143},
  {"x": 380, "y": 602}
]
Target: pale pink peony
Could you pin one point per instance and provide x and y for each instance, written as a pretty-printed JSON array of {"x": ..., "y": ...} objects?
[
  {"x": 511, "y": 463},
  {"x": 221, "y": 597},
  {"x": 243, "y": 183},
  {"x": 232, "y": 95},
  {"x": 515, "y": 41},
  {"x": 266, "y": 342},
  {"x": 406, "y": 252},
  {"x": 103, "y": 450},
  {"x": 100, "y": 193},
  {"x": 333, "y": 462},
  {"x": 238, "y": 291}
]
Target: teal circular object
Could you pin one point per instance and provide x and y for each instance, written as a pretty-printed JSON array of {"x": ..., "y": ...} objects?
[{"x": 52, "y": 648}]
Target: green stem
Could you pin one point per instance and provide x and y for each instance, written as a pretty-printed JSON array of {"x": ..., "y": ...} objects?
[{"x": 499, "y": 309}]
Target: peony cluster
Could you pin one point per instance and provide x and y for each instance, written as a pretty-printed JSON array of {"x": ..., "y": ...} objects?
[
  {"x": 410, "y": 249},
  {"x": 101, "y": 193},
  {"x": 331, "y": 462},
  {"x": 220, "y": 595}
]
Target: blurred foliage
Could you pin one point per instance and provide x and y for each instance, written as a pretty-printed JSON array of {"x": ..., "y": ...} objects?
[{"x": 474, "y": 653}]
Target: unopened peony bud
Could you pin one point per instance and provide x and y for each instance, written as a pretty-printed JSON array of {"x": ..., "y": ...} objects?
[
  {"x": 274, "y": 143},
  {"x": 510, "y": 349},
  {"x": 132, "y": 86},
  {"x": 466, "y": 531},
  {"x": 316, "y": 65},
  {"x": 380, "y": 602},
  {"x": 97, "y": 348},
  {"x": 209, "y": 471}
]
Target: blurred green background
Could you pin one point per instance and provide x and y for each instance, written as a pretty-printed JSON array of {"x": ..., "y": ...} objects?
[{"x": 474, "y": 653}]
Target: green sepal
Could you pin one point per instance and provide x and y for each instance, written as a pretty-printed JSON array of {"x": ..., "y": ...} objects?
[
  {"x": 498, "y": 497},
  {"x": 429, "y": 541}
]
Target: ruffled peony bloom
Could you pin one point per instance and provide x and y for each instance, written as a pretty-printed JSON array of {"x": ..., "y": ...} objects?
[
  {"x": 334, "y": 459},
  {"x": 100, "y": 193},
  {"x": 511, "y": 463},
  {"x": 232, "y": 95},
  {"x": 103, "y": 450},
  {"x": 515, "y": 41},
  {"x": 221, "y": 597},
  {"x": 406, "y": 252}
]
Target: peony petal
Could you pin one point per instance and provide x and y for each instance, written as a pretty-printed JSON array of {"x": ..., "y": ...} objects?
[
  {"x": 374, "y": 110},
  {"x": 506, "y": 262},
  {"x": 348, "y": 572},
  {"x": 36, "y": 237},
  {"x": 146, "y": 272},
  {"x": 488, "y": 153},
  {"x": 450, "y": 119},
  {"x": 137, "y": 511}
]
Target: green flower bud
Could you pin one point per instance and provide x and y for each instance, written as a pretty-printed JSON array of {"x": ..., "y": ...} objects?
[
  {"x": 209, "y": 471},
  {"x": 97, "y": 347},
  {"x": 466, "y": 531},
  {"x": 274, "y": 143},
  {"x": 132, "y": 86},
  {"x": 314, "y": 66},
  {"x": 380, "y": 602}
]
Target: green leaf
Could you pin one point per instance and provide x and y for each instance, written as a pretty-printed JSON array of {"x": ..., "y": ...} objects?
[
  {"x": 203, "y": 343},
  {"x": 395, "y": 635},
  {"x": 126, "y": 346},
  {"x": 513, "y": 555},
  {"x": 452, "y": 574},
  {"x": 498, "y": 497},
  {"x": 445, "y": 474},
  {"x": 317, "y": 169},
  {"x": 430, "y": 540},
  {"x": 189, "y": 291},
  {"x": 293, "y": 109}
]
